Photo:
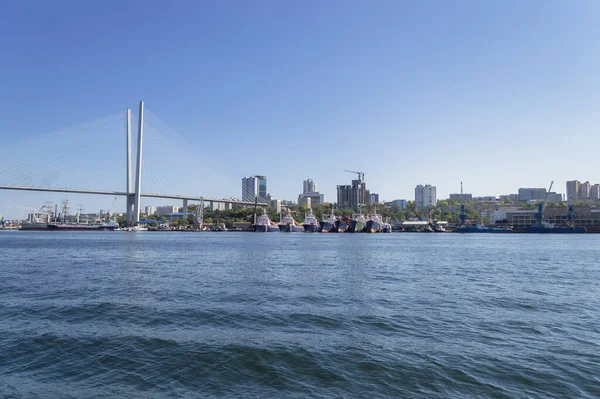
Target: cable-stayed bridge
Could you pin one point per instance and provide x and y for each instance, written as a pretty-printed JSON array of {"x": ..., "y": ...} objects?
[{"x": 91, "y": 156}]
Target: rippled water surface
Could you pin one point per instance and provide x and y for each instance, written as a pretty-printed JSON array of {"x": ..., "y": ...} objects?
[{"x": 294, "y": 315}]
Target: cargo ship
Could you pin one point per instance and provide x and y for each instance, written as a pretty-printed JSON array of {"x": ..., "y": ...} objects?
[{"x": 480, "y": 228}]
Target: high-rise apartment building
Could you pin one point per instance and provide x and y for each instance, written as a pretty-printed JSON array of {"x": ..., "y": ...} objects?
[
  {"x": 425, "y": 196},
  {"x": 573, "y": 190},
  {"x": 584, "y": 190},
  {"x": 595, "y": 192},
  {"x": 150, "y": 210},
  {"x": 309, "y": 186},
  {"x": 352, "y": 196},
  {"x": 254, "y": 186}
]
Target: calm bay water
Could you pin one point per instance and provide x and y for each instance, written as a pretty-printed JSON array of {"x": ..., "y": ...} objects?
[{"x": 294, "y": 315}]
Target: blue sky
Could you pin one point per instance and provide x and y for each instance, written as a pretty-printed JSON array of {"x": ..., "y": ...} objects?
[{"x": 500, "y": 95}]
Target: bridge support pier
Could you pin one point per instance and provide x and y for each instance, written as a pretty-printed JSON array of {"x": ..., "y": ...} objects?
[
  {"x": 130, "y": 202},
  {"x": 138, "y": 166},
  {"x": 185, "y": 208}
]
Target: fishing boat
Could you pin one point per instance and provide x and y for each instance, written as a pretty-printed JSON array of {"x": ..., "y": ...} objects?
[
  {"x": 288, "y": 224},
  {"x": 264, "y": 225},
  {"x": 311, "y": 225}
]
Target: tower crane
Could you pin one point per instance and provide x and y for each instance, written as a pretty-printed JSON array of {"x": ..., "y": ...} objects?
[{"x": 361, "y": 175}]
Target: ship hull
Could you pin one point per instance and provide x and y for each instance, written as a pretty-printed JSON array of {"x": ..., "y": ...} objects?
[
  {"x": 34, "y": 227},
  {"x": 373, "y": 226},
  {"x": 310, "y": 228},
  {"x": 327, "y": 227},
  {"x": 356, "y": 226},
  {"x": 290, "y": 228},
  {"x": 386, "y": 229},
  {"x": 261, "y": 228},
  {"x": 552, "y": 230},
  {"x": 66, "y": 227},
  {"x": 341, "y": 226},
  {"x": 472, "y": 229}
]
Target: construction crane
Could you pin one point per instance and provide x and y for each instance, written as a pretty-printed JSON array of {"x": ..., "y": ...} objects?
[
  {"x": 539, "y": 216},
  {"x": 111, "y": 207},
  {"x": 361, "y": 175}
]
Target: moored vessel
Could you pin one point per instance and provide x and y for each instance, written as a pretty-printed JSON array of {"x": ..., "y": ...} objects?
[
  {"x": 288, "y": 224},
  {"x": 264, "y": 225},
  {"x": 311, "y": 225},
  {"x": 358, "y": 223},
  {"x": 328, "y": 225}
]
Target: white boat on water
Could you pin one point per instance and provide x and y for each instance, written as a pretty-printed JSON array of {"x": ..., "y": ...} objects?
[{"x": 137, "y": 228}]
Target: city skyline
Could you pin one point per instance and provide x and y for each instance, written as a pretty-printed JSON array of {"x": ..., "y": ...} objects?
[{"x": 408, "y": 86}]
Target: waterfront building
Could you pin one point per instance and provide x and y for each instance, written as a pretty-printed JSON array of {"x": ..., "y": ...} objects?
[
  {"x": 461, "y": 197},
  {"x": 167, "y": 209},
  {"x": 400, "y": 202},
  {"x": 425, "y": 196},
  {"x": 254, "y": 186},
  {"x": 150, "y": 210},
  {"x": 584, "y": 190},
  {"x": 573, "y": 190}
]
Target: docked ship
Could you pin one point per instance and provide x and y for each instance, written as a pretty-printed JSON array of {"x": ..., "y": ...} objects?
[
  {"x": 480, "y": 228},
  {"x": 549, "y": 228},
  {"x": 386, "y": 227},
  {"x": 374, "y": 223},
  {"x": 342, "y": 224},
  {"x": 288, "y": 224},
  {"x": 311, "y": 225},
  {"x": 82, "y": 227},
  {"x": 358, "y": 223},
  {"x": 328, "y": 225},
  {"x": 264, "y": 225}
]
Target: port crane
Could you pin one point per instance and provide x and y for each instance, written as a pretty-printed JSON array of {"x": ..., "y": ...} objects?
[{"x": 539, "y": 215}]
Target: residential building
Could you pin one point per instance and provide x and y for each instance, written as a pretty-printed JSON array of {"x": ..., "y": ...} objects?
[
  {"x": 167, "y": 209},
  {"x": 309, "y": 186},
  {"x": 316, "y": 198},
  {"x": 425, "y": 196},
  {"x": 584, "y": 190},
  {"x": 373, "y": 198},
  {"x": 400, "y": 202},
  {"x": 573, "y": 190},
  {"x": 150, "y": 210},
  {"x": 254, "y": 186},
  {"x": 532, "y": 194},
  {"x": 595, "y": 192},
  {"x": 461, "y": 197},
  {"x": 351, "y": 196},
  {"x": 275, "y": 204},
  {"x": 305, "y": 201},
  {"x": 487, "y": 198},
  {"x": 217, "y": 206}
]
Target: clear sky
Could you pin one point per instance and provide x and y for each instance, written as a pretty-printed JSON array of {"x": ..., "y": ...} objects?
[{"x": 498, "y": 94}]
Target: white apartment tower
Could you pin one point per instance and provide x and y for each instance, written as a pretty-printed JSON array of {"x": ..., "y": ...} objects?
[{"x": 425, "y": 196}]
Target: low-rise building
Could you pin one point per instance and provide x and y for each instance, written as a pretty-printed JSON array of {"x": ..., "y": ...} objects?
[{"x": 166, "y": 209}]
